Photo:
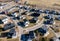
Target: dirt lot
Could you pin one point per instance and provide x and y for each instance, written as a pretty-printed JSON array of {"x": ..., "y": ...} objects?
[{"x": 50, "y": 4}]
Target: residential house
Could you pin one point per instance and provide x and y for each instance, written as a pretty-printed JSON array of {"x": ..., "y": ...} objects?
[
  {"x": 43, "y": 30},
  {"x": 34, "y": 20},
  {"x": 5, "y": 20},
  {"x": 25, "y": 23},
  {"x": 8, "y": 26},
  {"x": 35, "y": 15},
  {"x": 50, "y": 21},
  {"x": 27, "y": 37}
]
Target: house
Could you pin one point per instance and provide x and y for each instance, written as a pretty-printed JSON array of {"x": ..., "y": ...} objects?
[
  {"x": 46, "y": 11},
  {"x": 22, "y": 17},
  {"x": 56, "y": 38},
  {"x": 12, "y": 31},
  {"x": 5, "y": 20},
  {"x": 58, "y": 13},
  {"x": 2, "y": 12},
  {"x": 52, "y": 12},
  {"x": 37, "y": 10},
  {"x": 25, "y": 23},
  {"x": 48, "y": 16},
  {"x": 1, "y": 7},
  {"x": 41, "y": 11},
  {"x": 32, "y": 10},
  {"x": 26, "y": 37},
  {"x": 16, "y": 18},
  {"x": 1, "y": 21},
  {"x": 6, "y": 34},
  {"x": 29, "y": 40},
  {"x": 31, "y": 34},
  {"x": 33, "y": 20},
  {"x": 27, "y": 8},
  {"x": 58, "y": 18},
  {"x": 43, "y": 30},
  {"x": 9, "y": 34},
  {"x": 35, "y": 14},
  {"x": 21, "y": 24},
  {"x": 14, "y": 14},
  {"x": 9, "y": 15},
  {"x": 51, "y": 39},
  {"x": 20, "y": 6},
  {"x": 50, "y": 21},
  {"x": 8, "y": 26}
]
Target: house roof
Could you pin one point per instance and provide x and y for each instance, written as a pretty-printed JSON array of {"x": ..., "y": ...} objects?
[
  {"x": 35, "y": 14},
  {"x": 8, "y": 26},
  {"x": 33, "y": 20}
]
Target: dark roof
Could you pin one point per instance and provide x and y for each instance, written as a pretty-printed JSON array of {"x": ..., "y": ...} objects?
[
  {"x": 1, "y": 21},
  {"x": 8, "y": 26},
  {"x": 35, "y": 14},
  {"x": 12, "y": 31},
  {"x": 24, "y": 37},
  {"x": 58, "y": 18},
  {"x": 32, "y": 10},
  {"x": 37, "y": 10},
  {"x": 52, "y": 12},
  {"x": 2, "y": 12},
  {"x": 9, "y": 15},
  {"x": 48, "y": 17},
  {"x": 16, "y": 18},
  {"x": 33, "y": 20},
  {"x": 41, "y": 30},
  {"x": 48, "y": 21},
  {"x": 21, "y": 24},
  {"x": 31, "y": 34},
  {"x": 23, "y": 13},
  {"x": 51, "y": 39},
  {"x": 46, "y": 11},
  {"x": 6, "y": 34}
]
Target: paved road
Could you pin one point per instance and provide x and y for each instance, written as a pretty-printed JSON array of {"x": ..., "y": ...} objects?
[{"x": 34, "y": 27}]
